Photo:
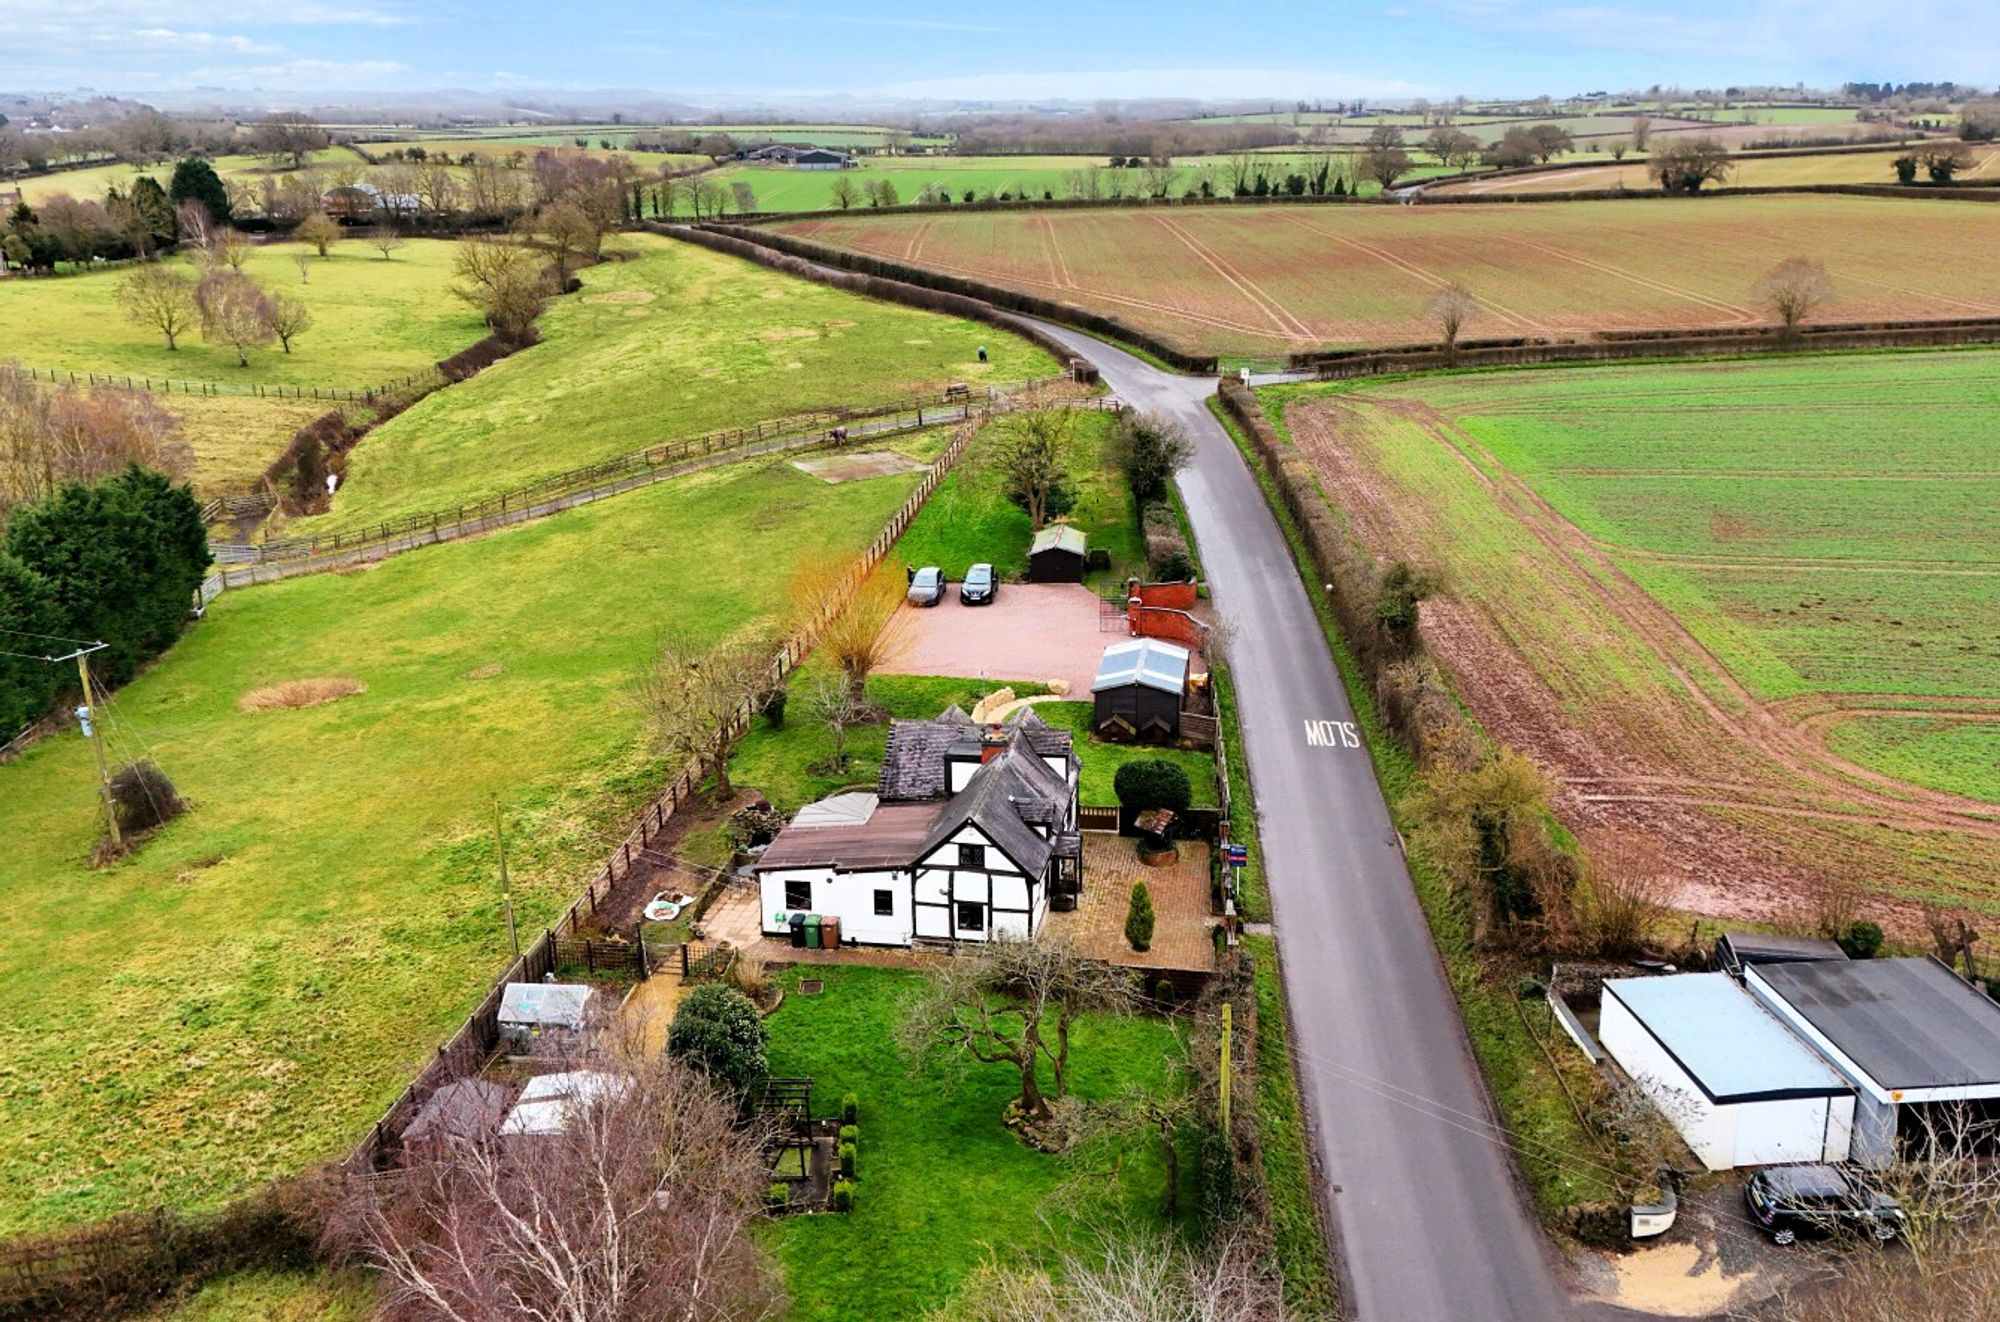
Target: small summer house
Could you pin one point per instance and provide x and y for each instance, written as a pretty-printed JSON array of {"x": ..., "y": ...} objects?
[
  {"x": 529, "y": 1010},
  {"x": 1057, "y": 554},
  {"x": 1139, "y": 690}
]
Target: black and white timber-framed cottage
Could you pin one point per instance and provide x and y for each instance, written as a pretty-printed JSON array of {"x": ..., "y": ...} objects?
[{"x": 971, "y": 836}]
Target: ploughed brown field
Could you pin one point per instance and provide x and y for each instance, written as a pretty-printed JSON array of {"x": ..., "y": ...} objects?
[{"x": 1258, "y": 280}]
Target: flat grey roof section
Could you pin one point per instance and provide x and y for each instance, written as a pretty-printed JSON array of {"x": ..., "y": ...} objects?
[
  {"x": 1772, "y": 948},
  {"x": 1733, "y": 1048},
  {"x": 1909, "y": 1023}
]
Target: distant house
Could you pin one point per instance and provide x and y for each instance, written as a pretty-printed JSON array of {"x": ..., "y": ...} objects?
[
  {"x": 1057, "y": 554},
  {"x": 776, "y": 153},
  {"x": 969, "y": 836},
  {"x": 1139, "y": 691}
]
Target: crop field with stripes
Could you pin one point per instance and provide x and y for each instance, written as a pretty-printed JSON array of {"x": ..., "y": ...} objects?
[
  {"x": 1269, "y": 279},
  {"x": 1751, "y": 609}
]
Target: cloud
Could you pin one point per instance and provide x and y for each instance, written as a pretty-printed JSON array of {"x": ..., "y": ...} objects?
[
  {"x": 872, "y": 21},
  {"x": 169, "y": 39},
  {"x": 302, "y": 73}
]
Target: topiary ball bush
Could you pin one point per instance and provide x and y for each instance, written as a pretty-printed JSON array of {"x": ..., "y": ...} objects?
[
  {"x": 1861, "y": 940},
  {"x": 1152, "y": 783},
  {"x": 719, "y": 1032}
]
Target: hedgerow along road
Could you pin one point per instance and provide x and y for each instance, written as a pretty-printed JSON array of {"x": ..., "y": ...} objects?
[{"x": 1431, "y": 1221}]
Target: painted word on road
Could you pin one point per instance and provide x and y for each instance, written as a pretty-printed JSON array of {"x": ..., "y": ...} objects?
[{"x": 1332, "y": 734}]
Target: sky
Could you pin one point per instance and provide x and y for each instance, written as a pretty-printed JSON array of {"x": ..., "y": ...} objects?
[{"x": 1081, "y": 50}]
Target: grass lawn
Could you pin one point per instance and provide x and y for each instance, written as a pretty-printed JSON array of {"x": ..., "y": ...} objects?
[
  {"x": 373, "y": 321},
  {"x": 245, "y": 993},
  {"x": 274, "y": 1296},
  {"x": 940, "y": 1184},
  {"x": 970, "y": 518},
  {"x": 235, "y": 437},
  {"x": 672, "y": 343},
  {"x": 1102, "y": 759}
]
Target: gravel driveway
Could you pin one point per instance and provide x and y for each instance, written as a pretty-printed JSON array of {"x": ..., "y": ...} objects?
[{"x": 1031, "y": 631}]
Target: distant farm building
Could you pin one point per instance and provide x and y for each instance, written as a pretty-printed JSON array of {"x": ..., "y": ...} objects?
[
  {"x": 799, "y": 158},
  {"x": 1057, "y": 554}
]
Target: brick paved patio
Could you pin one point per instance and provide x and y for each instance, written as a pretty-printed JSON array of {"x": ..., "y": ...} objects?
[{"x": 1181, "y": 930}]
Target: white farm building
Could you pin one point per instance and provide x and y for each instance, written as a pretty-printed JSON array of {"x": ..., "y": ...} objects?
[
  {"x": 1739, "y": 1086},
  {"x": 970, "y": 836}
]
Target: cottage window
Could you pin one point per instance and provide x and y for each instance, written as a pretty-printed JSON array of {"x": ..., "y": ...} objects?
[
  {"x": 971, "y": 916},
  {"x": 798, "y": 895},
  {"x": 885, "y": 903},
  {"x": 972, "y": 856}
]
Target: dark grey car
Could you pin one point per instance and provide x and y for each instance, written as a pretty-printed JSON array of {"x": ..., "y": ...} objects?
[
  {"x": 1790, "y": 1201},
  {"x": 980, "y": 586},
  {"x": 926, "y": 586}
]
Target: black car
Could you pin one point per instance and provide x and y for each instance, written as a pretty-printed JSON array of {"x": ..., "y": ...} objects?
[
  {"x": 926, "y": 586},
  {"x": 979, "y": 587},
  {"x": 1790, "y": 1201}
]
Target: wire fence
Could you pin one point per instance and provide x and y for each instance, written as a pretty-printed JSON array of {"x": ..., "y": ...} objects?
[
  {"x": 247, "y": 563},
  {"x": 430, "y": 376}
]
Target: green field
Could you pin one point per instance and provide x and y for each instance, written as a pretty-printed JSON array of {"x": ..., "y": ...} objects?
[
  {"x": 675, "y": 342},
  {"x": 244, "y": 994},
  {"x": 971, "y": 520},
  {"x": 941, "y": 1185},
  {"x": 273, "y": 1296},
  {"x": 373, "y": 321},
  {"x": 235, "y": 437},
  {"x": 1769, "y": 586}
]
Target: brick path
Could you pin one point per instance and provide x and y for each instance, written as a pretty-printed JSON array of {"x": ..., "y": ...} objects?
[{"x": 1182, "y": 924}]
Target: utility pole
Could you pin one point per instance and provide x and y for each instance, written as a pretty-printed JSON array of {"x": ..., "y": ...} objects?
[
  {"x": 86, "y": 716},
  {"x": 506, "y": 889},
  {"x": 1224, "y": 1096}
]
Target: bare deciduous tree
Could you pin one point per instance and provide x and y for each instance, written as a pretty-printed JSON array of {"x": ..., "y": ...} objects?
[
  {"x": 304, "y": 262},
  {"x": 857, "y": 639},
  {"x": 1794, "y": 289},
  {"x": 320, "y": 230},
  {"x": 744, "y": 196},
  {"x": 1685, "y": 164},
  {"x": 50, "y": 436},
  {"x": 385, "y": 239},
  {"x": 1032, "y": 455},
  {"x": 844, "y": 193},
  {"x": 1001, "y": 1005},
  {"x": 235, "y": 311},
  {"x": 693, "y": 695},
  {"x": 289, "y": 317},
  {"x": 640, "y": 1209},
  {"x": 1127, "y": 1275},
  {"x": 831, "y": 703},
  {"x": 1450, "y": 310},
  {"x": 161, "y": 298},
  {"x": 504, "y": 281}
]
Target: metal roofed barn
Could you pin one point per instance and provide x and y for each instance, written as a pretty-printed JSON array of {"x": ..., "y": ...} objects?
[
  {"x": 1737, "y": 1085},
  {"x": 1139, "y": 690},
  {"x": 1907, "y": 1032},
  {"x": 1057, "y": 554}
]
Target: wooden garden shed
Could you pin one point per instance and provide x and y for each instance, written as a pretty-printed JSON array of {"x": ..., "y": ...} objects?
[
  {"x": 1057, "y": 554},
  {"x": 1139, "y": 690}
]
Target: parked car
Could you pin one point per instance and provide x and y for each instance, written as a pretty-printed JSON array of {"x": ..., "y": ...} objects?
[
  {"x": 980, "y": 586},
  {"x": 926, "y": 586},
  {"x": 1790, "y": 1201}
]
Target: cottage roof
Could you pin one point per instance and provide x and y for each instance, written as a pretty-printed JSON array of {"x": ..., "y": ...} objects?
[
  {"x": 1059, "y": 537},
  {"x": 914, "y": 762},
  {"x": 888, "y": 838},
  {"x": 551, "y": 1004},
  {"x": 1732, "y": 1047},
  {"x": 1146, "y": 661},
  {"x": 1001, "y": 799},
  {"x": 1908, "y": 1023}
]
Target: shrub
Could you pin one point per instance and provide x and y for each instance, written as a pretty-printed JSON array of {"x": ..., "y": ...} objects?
[
  {"x": 1163, "y": 991},
  {"x": 851, "y": 1134},
  {"x": 755, "y": 825},
  {"x": 850, "y": 1109},
  {"x": 778, "y": 1196},
  {"x": 843, "y": 1196},
  {"x": 142, "y": 797},
  {"x": 1861, "y": 940},
  {"x": 1139, "y": 918},
  {"x": 1152, "y": 783},
  {"x": 27, "y": 683},
  {"x": 846, "y": 1152},
  {"x": 773, "y": 706},
  {"x": 718, "y": 1031},
  {"x": 1151, "y": 450}
]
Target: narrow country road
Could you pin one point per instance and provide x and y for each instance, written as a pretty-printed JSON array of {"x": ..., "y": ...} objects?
[{"x": 1431, "y": 1221}]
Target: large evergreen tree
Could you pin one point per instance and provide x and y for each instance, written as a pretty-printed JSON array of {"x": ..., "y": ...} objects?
[
  {"x": 195, "y": 180},
  {"x": 122, "y": 560},
  {"x": 27, "y": 607},
  {"x": 152, "y": 203}
]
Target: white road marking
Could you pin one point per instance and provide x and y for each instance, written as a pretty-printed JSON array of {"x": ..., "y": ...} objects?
[{"x": 1332, "y": 734}]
